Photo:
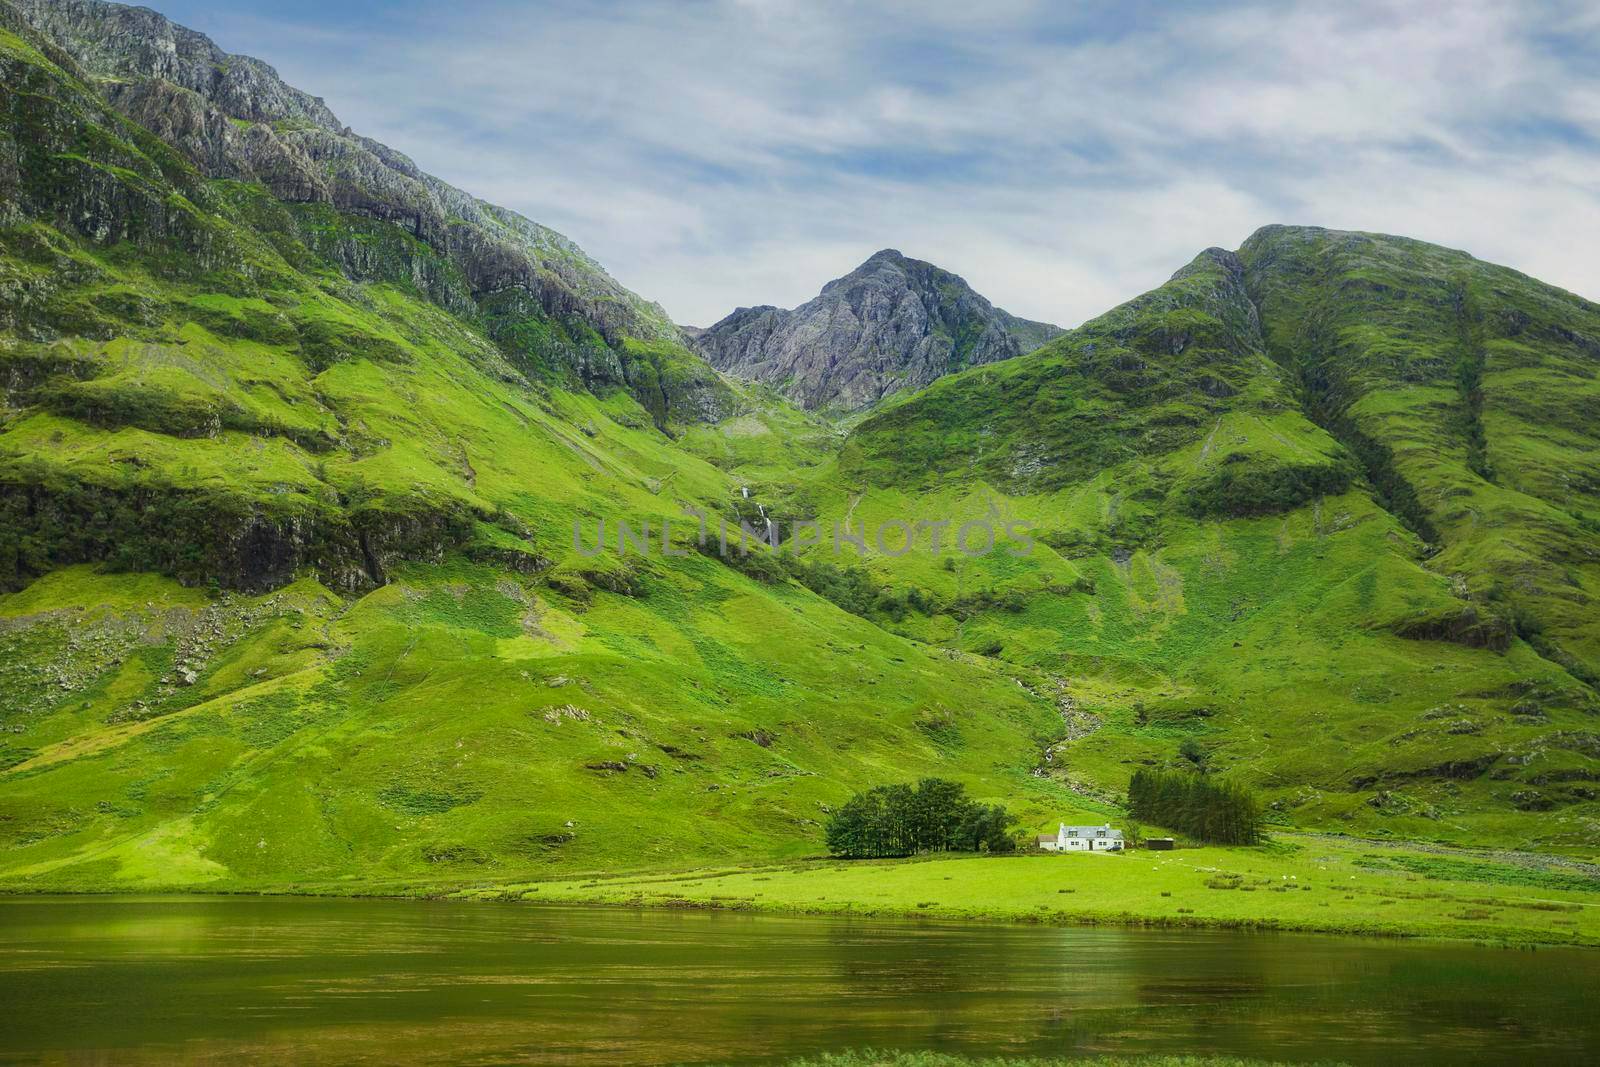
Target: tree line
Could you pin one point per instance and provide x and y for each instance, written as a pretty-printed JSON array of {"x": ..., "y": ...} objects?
[
  {"x": 1220, "y": 813},
  {"x": 936, "y": 815}
]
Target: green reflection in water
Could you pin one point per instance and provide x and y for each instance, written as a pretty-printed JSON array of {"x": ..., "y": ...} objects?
[{"x": 307, "y": 980}]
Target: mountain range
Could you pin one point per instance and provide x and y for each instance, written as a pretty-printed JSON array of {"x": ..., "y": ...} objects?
[{"x": 300, "y": 448}]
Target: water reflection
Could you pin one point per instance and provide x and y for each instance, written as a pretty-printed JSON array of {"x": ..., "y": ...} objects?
[{"x": 243, "y": 979}]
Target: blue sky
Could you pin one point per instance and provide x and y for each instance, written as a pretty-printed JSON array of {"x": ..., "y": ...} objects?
[{"x": 1063, "y": 156}]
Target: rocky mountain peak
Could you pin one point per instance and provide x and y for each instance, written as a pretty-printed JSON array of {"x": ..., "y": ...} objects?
[
  {"x": 891, "y": 324},
  {"x": 114, "y": 41}
]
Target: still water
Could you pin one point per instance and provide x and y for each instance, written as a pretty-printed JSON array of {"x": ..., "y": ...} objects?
[{"x": 247, "y": 980}]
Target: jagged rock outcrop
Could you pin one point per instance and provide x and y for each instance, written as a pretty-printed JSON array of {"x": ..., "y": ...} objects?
[
  {"x": 893, "y": 323},
  {"x": 233, "y": 117},
  {"x": 111, "y": 40}
]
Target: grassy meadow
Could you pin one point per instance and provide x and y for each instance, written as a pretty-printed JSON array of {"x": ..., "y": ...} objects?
[{"x": 1296, "y": 882}]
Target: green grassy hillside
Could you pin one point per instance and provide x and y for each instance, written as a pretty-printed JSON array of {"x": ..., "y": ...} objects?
[
  {"x": 1469, "y": 392},
  {"x": 289, "y": 592},
  {"x": 1223, "y": 562},
  {"x": 375, "y": 651}
]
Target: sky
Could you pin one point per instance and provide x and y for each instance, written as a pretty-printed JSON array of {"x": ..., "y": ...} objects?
[{"x": 1062, "y": 156}]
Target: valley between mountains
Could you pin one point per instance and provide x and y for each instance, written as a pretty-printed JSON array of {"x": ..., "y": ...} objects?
[{"x": 294, "y": 438}]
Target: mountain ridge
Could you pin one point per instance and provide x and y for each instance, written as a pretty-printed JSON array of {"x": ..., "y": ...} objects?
[{"x": 236, "y": 119}]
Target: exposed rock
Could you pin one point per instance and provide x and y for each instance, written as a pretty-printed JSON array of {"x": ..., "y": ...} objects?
[
  {"x": 234, "y": 117},
  {"x": 1459, "y": 624},
  {"x": 764, "y": 738},
  {"x": 110, "y": 39},
  {"x": 893, "y": 323},
  {"x": 1531, "y": 800},
  {"x": 1458, "y": 769},
  {"x": 1587, "y": 744},
  {"x": 238, "y": 544}
]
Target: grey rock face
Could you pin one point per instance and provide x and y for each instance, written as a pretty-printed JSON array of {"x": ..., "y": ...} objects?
[
  {"x": 233, "y": 117},
  {"x": 893, "y": 323},
  {"x": 113, "y": 41}
]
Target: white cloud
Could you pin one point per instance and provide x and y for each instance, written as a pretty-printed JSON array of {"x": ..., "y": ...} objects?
[{"x": 1061, "y": 157}]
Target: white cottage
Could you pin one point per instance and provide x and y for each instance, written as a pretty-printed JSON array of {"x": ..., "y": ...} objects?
[{"x": 1082, "y": 839}]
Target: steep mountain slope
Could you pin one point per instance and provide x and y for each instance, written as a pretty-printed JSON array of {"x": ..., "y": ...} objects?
[
  {"x": 231, "y": 117},
  {"x": 893, "y": 324},
  {"x": 1471, "y": 394},
  {"x": 166, "y": 315},
  {"x": 1227, "y": 574},
  {"x": 294, "y": 534}
]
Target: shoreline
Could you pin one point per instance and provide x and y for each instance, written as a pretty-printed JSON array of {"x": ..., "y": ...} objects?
[
  {"x": 1060, "y": 920},
  {"x": 1305, "y": 885},
  {"x": 1343, "y": 892}
]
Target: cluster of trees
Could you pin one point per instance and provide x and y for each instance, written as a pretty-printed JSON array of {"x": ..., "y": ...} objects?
[
  {"x": 936, "y": 815},
  {"x": 1217, "y": 812}
]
